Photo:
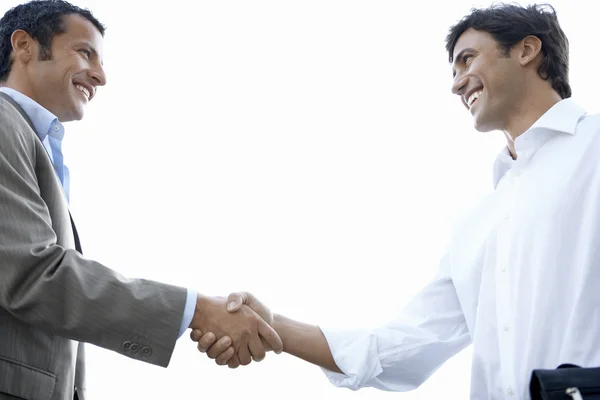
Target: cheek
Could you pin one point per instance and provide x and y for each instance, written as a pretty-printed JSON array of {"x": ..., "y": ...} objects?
[
  {"x": 50, "y": 75},
  {"x": 44, "y": 80}
]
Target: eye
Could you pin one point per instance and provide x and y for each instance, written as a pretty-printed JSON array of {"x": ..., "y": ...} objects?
[
  {"x": 466, "y": 58},
  {"x": 86, "y": 53}
]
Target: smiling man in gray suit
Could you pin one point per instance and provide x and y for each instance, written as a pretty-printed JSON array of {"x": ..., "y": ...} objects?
[{"x": 53, "y": 299}]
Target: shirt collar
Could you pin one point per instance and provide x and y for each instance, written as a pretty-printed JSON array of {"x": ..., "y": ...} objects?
[
  {"x": 502, "y": 165},
  {"x": 43, "y": 120},
  {"x": 561, "y": 118}
]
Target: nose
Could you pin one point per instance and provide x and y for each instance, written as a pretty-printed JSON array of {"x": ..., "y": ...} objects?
[
  {"x": 460, "y": 82},
  {"x": 98, "y": 75}
]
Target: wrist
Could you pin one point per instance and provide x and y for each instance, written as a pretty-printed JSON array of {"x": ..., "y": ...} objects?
[
  {"x": 202, "y": 302},
  {"x": 278, "y": 326}
]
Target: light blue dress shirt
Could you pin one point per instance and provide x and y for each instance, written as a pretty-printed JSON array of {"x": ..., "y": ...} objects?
[{"x": 51, "y": 133}]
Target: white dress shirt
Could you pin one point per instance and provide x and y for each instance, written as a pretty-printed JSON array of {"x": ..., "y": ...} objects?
[{"x": 520, "y": 279}]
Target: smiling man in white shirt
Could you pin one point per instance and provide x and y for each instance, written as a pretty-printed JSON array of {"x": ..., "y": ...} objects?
[{"x": 519, "y": 278}]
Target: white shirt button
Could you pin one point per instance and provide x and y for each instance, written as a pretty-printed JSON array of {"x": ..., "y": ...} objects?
[
  {"x": 503, "y": 269},
  {"x": 510, "y": 392},
  {"x": 56, "y": 128},
  {"x": 506, "y": 328}
]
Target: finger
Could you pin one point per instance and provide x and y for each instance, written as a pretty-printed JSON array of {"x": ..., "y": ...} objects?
[
  {"x": 236, "y": 300},
  {"x": 244, "y": 354},
  {"x": 270, "y": 336},
  {"x": 225, "y": 356},
  {"x": 222, "y": 344},
  {"x": 233, "y": 362},
  {"x": 206, "y": 341},
  {"x": 257, "y": 350},
  {"x": 195, "y": 334},
  {"x": 265, "y": 345}
]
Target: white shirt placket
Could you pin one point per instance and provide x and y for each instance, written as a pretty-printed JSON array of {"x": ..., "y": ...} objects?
[{"x": 504, "y": 311}]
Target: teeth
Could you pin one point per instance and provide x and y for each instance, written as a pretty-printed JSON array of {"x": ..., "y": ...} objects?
[
  {"x": 84, "y": 90},
  {"x": 474, "y": 96}
]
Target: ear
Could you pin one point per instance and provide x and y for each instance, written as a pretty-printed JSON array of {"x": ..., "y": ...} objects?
[
  {"x": 24, "y": 47},
  {"x": 530, "y": 48}
]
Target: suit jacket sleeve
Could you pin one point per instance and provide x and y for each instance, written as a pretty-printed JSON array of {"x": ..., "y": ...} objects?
[{"x": 53, "y": 287}]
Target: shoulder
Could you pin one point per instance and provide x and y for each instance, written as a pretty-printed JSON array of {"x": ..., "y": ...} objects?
[
  {"x": 9, "y": 115},
  {"x": 14, "y": 129},
  {"x": 589, "y": 122}
]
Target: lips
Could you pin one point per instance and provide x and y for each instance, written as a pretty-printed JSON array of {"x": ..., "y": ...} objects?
[
  {"x": 87, "y": 90},
  {"x": 474, "y": 96},
  {"x": 470, "y": 97}
]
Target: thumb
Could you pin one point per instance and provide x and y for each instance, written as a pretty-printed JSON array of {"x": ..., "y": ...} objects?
[{"x": 236, "y": 300}]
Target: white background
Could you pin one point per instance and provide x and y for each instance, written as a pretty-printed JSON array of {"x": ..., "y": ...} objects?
[{"x": 308, "y": 151}]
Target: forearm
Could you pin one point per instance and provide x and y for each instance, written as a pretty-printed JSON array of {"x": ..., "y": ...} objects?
[
  {"x": 305, "y": 341},
  {"x": 85, "y": 301},
  {"x": 48, "y": 285}
]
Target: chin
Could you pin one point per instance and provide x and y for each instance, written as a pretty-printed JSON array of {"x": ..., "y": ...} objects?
[
  {"x": 481, "y": 125},
  {"x": 483, "y": 128},
  {"x": 73, "y": 115}
]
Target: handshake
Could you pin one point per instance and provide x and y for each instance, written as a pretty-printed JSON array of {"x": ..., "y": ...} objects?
[{"x": 234, "y": 331}]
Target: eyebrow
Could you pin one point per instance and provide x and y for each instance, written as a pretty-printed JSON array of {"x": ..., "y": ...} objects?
[{"x": 458, "y": 58}]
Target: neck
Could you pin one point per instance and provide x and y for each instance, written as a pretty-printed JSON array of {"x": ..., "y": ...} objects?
[
  {"x": 16, "y": 84},
  {"x": 527, "y": 112}
]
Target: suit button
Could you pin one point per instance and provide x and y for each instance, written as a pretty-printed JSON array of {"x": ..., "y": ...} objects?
[
  {"x": 146, "y": 351},
  {"x": 134, "y": 347},
  {"x": 126, "y": 345}
]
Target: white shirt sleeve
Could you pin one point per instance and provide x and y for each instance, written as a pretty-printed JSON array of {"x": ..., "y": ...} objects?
[{"x": 403, "y": 354}]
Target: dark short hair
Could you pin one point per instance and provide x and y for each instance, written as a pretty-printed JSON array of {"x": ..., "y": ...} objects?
[
  {"x": 509, "y": 24},
  {"x": 42, "y": 20}
]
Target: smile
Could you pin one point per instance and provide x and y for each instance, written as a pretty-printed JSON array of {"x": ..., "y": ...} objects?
[
  {"x": 474, "y": 96},
  {"x": 84, "y": 90}
]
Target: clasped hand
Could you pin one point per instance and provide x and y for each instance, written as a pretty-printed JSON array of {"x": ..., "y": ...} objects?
[{"x": 234, "y": 331}]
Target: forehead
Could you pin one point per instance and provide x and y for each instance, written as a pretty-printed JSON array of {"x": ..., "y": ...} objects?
[
  {"x": 80, "y": 29},
  {"x": 473, "y": 39}
]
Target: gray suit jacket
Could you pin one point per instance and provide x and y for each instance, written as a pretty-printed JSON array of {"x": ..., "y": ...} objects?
[{"x": 52, "y": 299}]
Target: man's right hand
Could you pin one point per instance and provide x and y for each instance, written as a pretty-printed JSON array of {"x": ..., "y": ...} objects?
[
  {"x": 220, "y": 350},
  {"x": 302, "y": 340},
  {"x": 249, "y": 333}
]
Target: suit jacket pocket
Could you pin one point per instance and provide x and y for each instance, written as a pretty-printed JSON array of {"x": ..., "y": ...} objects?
[{"x": 24, "y": 381}]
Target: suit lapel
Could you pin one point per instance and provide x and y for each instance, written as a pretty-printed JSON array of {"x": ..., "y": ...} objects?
[
  {"x": 75, "y": 235},
  {"x": 30, "y": 123}
]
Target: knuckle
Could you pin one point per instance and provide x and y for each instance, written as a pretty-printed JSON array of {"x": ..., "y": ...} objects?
[
  {"x": 195, "y": 335},
  {"x": 212, "y": 353},
  {"x": 221, "y": 350},
  {"x": 209, "y": 337},
  {"x": 202, "y": 348}
]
